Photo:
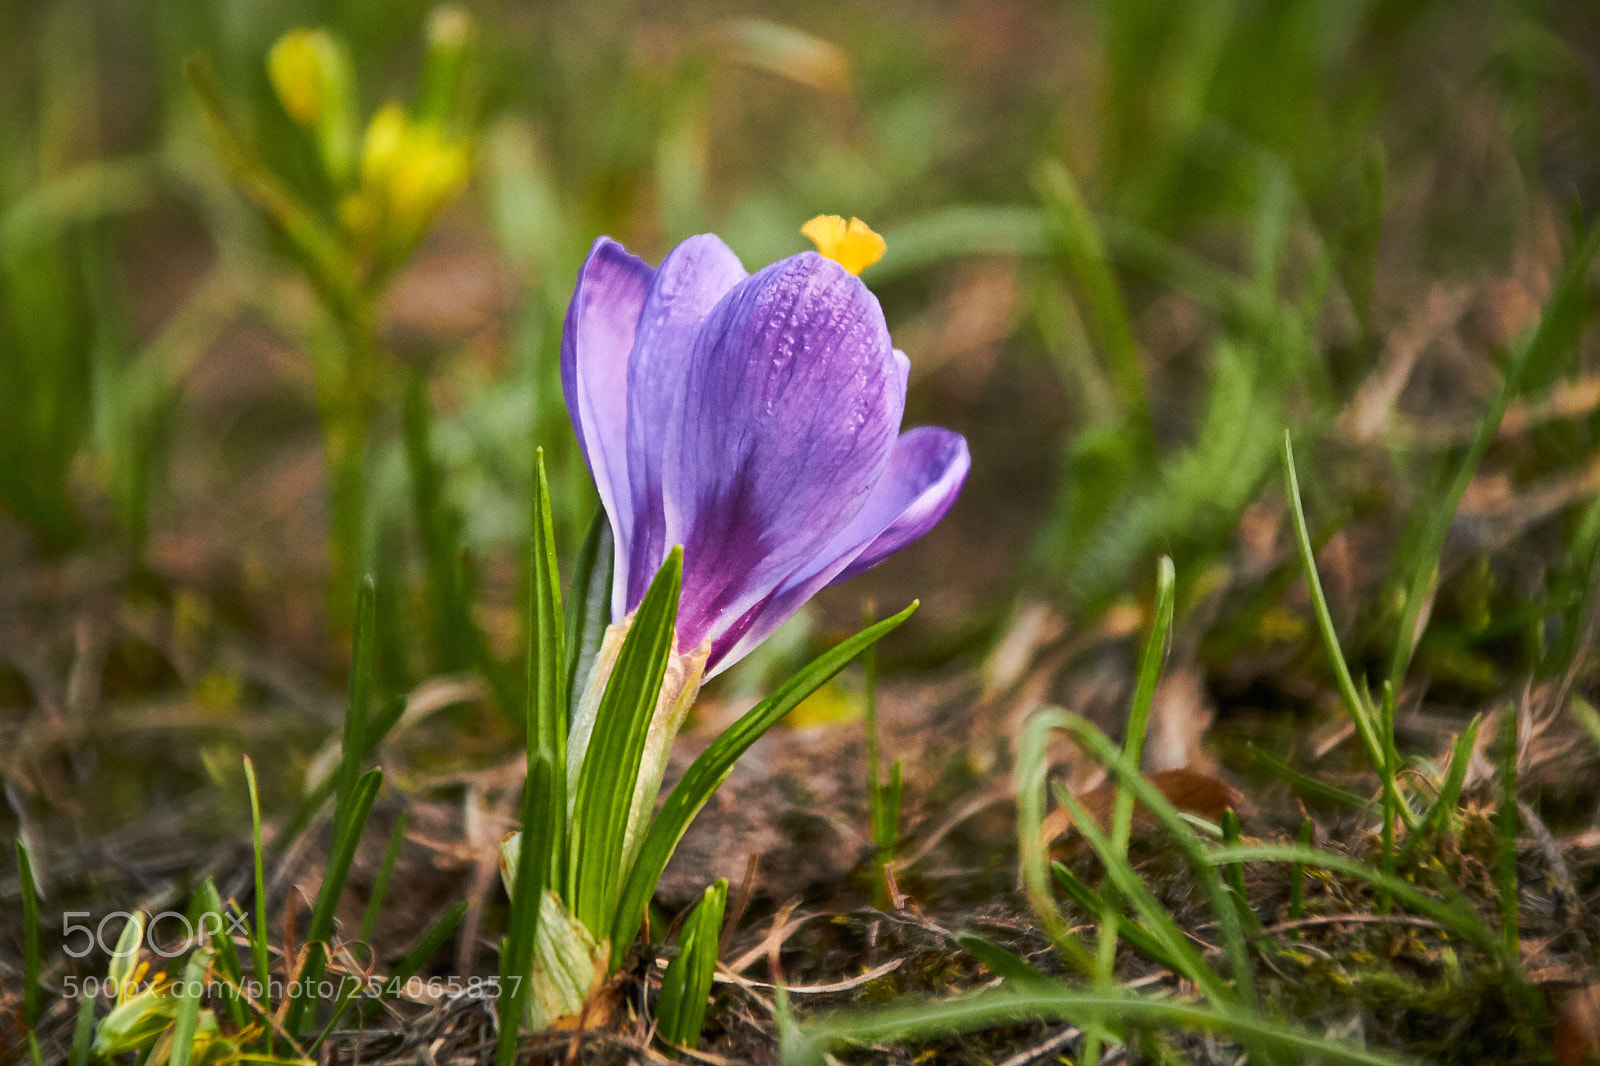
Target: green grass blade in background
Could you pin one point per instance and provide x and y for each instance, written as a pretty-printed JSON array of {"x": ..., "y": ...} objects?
[
  {"x": 1505, "y": 871},
  {"x": 418, "y": 956},
  {"x": 189, "y": 993},
  {"x": 82, "y": 1032},
  {"x": 362, "y": 657},
  {"x": 1306, "y": 785},
  {"x": 1077, "y": 241},
  {"x": 1556, "y": 334},
  {"x": 349, "y": 821},
  {"x": 30, "y": 944},
  {"x": 1438, "y": 817},
  {"x": 1459, "y": 919},
  {"x": 923, "y": 1020},
  {"x": 1137, "y": 936},
  {"x": 1031, "y": 774},
  {"x": 1002, "y": 963},
  {"x": 707, "y": 773},
  {"x": 438, "y": 531},
  {"x": 1357, "y": 704},
  {"x": 260, "y": 957},
  {"x": 207, "y": 914},
  {"x": 1194, "y": 851},
  {"x": 957, "y": 232}
]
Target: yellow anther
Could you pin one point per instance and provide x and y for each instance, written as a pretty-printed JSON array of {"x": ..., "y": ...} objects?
[{"x": 853, "y": 245}]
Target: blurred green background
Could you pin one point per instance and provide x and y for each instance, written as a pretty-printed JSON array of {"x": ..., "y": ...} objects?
[{"x": 1130, "y": 242}]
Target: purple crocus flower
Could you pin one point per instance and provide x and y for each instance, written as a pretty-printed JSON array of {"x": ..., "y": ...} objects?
[{"x": 753, "y": 419}]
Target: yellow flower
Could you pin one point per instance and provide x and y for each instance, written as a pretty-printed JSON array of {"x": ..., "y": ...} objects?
[
  {"x": 409, "y": 171},
  {"x": 853, "y": 245}
]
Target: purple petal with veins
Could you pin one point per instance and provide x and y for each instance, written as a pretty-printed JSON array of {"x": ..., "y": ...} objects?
[
  {"x": 596, "y": 345},
  {"x": 794, "y": 400},
  {"x": 926, "y": 471},
  {"x": 691, "y": 280}
]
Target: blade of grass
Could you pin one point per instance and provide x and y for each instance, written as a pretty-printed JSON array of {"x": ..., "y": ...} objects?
[
  {"x": 1175, "y": 944},
  {"x": 354, "y": 794},
  {"x": 1007, "y": 1007},
  {"x": 82, "y": 1032},
  {"x": 1137, "y": 936},
  {"x": 359, "y": 695},
  {"x": 955, "y": 232},
  {"x": 610, "y": 768},
  {"x": 1232, "y": 837},
  {"x": 588, "y": 605},
  {"x": 259, "y": 956},
  {"x": 418, "y": 957},
  {"x": 30, "y": 945},
  {"x": 1450, "y": 795},
  {"x": 883, "y": 802},
  {"x": 1556, "y": 332},
  {"x": 187, "y": 1015},
  {"x": 547, "y": 666},
  {"x": 1458, "y": 919},
  {"x": 707, "y": 773},
  {"x": 1234, "y": 946},
  {"x": 1031, "y": 773},
  {"x": 1505, "y": 873},
  {"x": 431, "y": 941},
  {"x": 1391, "y": 766},
  {"x": 346, "y": 836},
  {"x": 533, "y": 874},
  {"x": 1305, "y": 784},
  {"x": 313, "y": 802},
  {"x": 1155, "y": 649},
  {"x": 1003, "y": 963},
  {"x": 206, "y": 910},
  {"x": 1082, "y": 251},
  {"x": 458, "y": 640},
  {"x": 380, "y": 886},
  {"x": 369, "y": 922},
  {"x": 1297, "y": 877},
  {"x": 1355, "y": 703},
  {"x": 686, "y": 983},
  {"x": 1144, "y": 690}
]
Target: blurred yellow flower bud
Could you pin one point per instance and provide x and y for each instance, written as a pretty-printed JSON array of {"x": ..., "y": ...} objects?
[
  {"x": 294, "y": 66},
  {"x": 386, "y": 134},
  {"x": 409, "y": 172},
  {"x": 310, "y": 72}
]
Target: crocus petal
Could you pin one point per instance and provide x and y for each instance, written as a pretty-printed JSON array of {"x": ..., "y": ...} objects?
[
  {"x": 792, "y": 403},
  {"x": 932, "y": 457},
  {"x": 691, "y": 279},
  {"x": 926, "y": 471},
  {"x": 595, "y": 345}
]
